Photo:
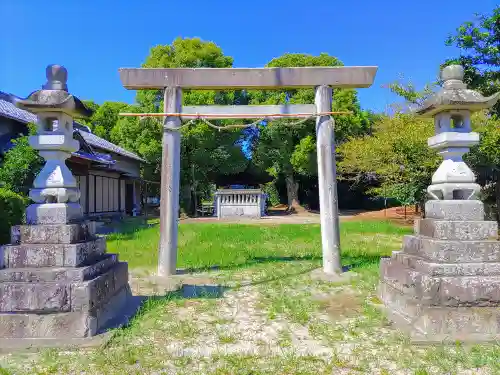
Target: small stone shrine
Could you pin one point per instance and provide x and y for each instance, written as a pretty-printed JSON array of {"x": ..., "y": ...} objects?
[
  {"x": 56, "y": 280},
  {"x": 445, "y": 283},
  {"x": 241, "y": 203}
]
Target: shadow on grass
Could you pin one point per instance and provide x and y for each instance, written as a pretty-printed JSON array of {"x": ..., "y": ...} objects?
[
  {"x": 248, "y": 263},
  {"x": 126, "y": 230},
  {"x": 350, "y": 262},
  {"x": 140, "y": 306}
]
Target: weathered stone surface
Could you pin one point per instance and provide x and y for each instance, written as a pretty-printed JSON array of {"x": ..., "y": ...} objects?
[
  {"x": 448, "y": 269},
  {"x": 15, "y": 234},
  {"x": 53, "y": 213},
  {"x": 65, "y": 325},
  {"x": 454, "y": 210},
  {"x": 441, "y": 291},
  {"x": 70, "y": 324},
  {"x": 457, "y": 230},
  {"x": 452, "y": 251},
  {"x": 88, "y": 295},
  {"x": 54, "y": 255},
  {"x": 115, "y": 307},
  {"x": 55, "y": 234},
  {"x": 62, "y": 296},
  {"x": 438, "y": 323},
  {"x": 58, "y": 273},
  {"x": 34, "y": 297}
]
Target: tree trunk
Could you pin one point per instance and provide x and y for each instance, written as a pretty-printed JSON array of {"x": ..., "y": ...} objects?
[
  {"x": 186, "y": 201},
  {"x": 292, "y": 192}
]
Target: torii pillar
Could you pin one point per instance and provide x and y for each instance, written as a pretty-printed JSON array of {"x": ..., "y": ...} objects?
[{"x": 173, "y": 80}]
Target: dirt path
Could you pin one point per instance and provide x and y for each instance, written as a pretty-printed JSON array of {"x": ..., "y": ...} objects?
[{"x": 395, "y": 214}]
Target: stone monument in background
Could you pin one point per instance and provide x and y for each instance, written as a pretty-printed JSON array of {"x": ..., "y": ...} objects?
[
  {"x": 56, "y": 280},
  {"x": 445, "y": 283}
]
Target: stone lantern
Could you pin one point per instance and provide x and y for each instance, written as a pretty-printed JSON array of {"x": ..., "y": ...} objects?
[
  {"x": 451, "y": 109},
  {"x": 58, "y": 286},
  {"x": 54, "y": 191},
  {"x": 444, "y": 285}
]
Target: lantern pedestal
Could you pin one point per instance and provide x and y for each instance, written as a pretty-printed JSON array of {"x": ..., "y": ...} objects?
[{"x": 444, "y": 285}]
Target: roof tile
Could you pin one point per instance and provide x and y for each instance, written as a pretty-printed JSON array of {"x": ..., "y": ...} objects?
[{"x": 8, "y": 109}]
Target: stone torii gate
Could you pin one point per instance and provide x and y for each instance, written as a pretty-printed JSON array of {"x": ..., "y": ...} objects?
[{"x": 173, "y": 80}]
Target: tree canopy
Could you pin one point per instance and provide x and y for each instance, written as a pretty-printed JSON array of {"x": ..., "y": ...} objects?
[
  {"x": 204, "y": 152},
  {"x": 20, "y": 165},
  {"x": 479, "y": 44},
  {"x": 289, "y": 152}
]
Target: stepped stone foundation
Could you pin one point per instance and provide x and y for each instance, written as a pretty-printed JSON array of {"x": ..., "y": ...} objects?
[
  {"x": 444, "y": 285},
  {"x": 61, "y": 284}
]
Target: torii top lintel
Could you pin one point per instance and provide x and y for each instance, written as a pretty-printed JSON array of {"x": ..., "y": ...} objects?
[{"x": 249, "y": 78}]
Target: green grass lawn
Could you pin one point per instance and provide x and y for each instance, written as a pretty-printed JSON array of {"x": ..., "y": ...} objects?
[
  {"x": 271, "y": 310},
  {"x": 202, "y": 246}
]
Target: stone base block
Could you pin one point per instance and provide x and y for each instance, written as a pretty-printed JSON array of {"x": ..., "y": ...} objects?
[
  {"x": 53, "y": 213},
  {"x": 63, "y": 296},
  {"x": 58, "y": 274},
  {"x": 53, "y": 255},
  {"x": 447, "y": 269},
  {"x": 445, "y": 291},
  {"x": 456, "y": 210},
  {"x": 426, "y": 324},
  {"x": 443, "y": 251},
  {"x": 53, "y": 233},
  {"x": 75, "y": 324},
  {"x": 120, "y": 317},
  {"x": 457, "y": 230}
]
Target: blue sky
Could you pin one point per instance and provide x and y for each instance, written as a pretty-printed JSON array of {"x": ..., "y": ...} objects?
[{"x": 94, "y": 38}]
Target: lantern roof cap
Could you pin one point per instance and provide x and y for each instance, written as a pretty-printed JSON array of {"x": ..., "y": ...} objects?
[
  {"x": 54, "y": 96},
  {"x": 454, "y": 95}
]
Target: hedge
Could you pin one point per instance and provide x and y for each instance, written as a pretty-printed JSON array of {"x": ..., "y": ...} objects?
[{"x": 12, "y": 208}]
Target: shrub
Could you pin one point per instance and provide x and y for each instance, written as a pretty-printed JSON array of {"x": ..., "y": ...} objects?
[
  {"x": 12, "y": 208},
  {"x": 273, "y": 196}
]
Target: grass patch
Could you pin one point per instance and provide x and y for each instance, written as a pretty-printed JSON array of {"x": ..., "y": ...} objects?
[{"x": 231, "y": 246}]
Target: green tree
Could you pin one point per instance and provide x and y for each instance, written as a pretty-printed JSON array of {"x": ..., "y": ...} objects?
[
  {"x": 204, "y": 152},
  {"x": 20, "y": 165},
  {"x": 290, "y": 152},
  {"x": 479, "y": 46},
  {"x": 397, "y": 153},
  {"x": 105, "y": 117},
  {"x": 90, "y": 104}
]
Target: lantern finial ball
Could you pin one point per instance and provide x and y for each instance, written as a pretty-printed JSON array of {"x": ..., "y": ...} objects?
[
  {"x": 57, "y": 76},
  {"x": 452, "y": 72}
]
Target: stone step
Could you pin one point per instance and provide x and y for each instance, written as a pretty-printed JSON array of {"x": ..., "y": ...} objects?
[
  {"x": 458, "y": 210},
  {"x": 53, "y": 255},
  {"x": 457, "y": 230},
  {"x": 446, "y": 251},
  {"x": 440, "y": 323},
  {"x": 399, "y": 276},
  {"x": 64, "y": 274},
  {"x": 60, "y": 296},
  {"x": 447, "y": 269},
  {"x": 53, "y": 234},
  {"x": 447, "y": 291},
  {"x": 67, "y": 324}
]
